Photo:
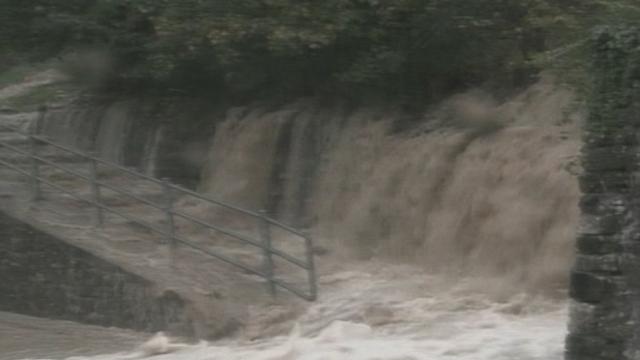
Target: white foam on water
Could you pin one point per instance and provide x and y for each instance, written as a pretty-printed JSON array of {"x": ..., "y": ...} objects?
[
  {"x": 492, "y": 202},
  {"x": 392, "y": 312}
]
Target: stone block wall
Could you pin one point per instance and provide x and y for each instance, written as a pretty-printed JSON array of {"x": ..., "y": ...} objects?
[
  {"x": 43, "y": 276},
  {"x": 605, "y": 290}
]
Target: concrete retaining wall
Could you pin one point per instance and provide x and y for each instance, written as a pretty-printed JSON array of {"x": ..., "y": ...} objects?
[{"x": 43, "y": 276}]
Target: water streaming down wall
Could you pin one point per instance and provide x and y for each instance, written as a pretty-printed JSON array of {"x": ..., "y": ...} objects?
[
  {"x": 148, "y": 135},
  {"x": 490, "y": 196},
  {"x": 100, "y": 128},
  {"x": 474, "y": 186}
]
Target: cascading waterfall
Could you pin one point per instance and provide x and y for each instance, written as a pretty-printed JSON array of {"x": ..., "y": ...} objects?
[
  {"x": 151, "y": 150},
  {"x": 72, "y": 127},
  {"x": 490, "y": 196},
  {"x": 112, "y": 132},
  {"x": 105, "y": 130},
  {"x": 244, "y": 155},
  {"x": 101, "y": 129},
  {"x": 448, "y": 239}
]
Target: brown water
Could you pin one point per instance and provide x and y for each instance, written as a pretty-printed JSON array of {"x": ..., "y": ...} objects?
[
  {"x": 373, "y": 311},
  {"x": 480, "y": 187},
  {"x": 451, "y": 240}
]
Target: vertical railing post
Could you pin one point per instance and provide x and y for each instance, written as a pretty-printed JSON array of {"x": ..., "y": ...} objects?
[
  {"x": 95, "y": 190},
  {"x": 39, "y": 123},
  {"x": 171, "y": 226},
  {"x": 311, "y": 270},
  {"x": 36, "y": 193},
  {"x": 265, "y": 234}
]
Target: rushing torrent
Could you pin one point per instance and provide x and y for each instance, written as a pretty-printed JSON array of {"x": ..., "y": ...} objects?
[
  {"x": 372, "y": 312},
  {"x": 447, "y": 236},
  {"x": 479, "y": 188}
]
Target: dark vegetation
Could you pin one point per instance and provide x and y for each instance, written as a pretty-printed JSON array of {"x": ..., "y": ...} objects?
[{"x": 410, "y": 50}]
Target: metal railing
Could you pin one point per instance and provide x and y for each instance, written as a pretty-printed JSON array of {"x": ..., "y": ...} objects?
[{"x": 170, "y": 192}]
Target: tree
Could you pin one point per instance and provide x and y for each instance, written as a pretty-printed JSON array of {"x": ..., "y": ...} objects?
[{"x": 405, "y": 49}]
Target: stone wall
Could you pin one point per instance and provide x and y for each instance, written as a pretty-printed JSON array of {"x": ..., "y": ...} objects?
[
  {"x": 46, "y": 277},
  {"x": 605, "y": 290}
]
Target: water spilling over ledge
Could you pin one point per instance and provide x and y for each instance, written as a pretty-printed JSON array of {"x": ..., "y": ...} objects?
[
  {"x": 492, "y": 195},
  {"x": 464, "y": 222}
]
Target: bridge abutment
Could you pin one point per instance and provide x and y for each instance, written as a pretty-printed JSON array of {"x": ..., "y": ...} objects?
[{"x": 605, "y": 286}]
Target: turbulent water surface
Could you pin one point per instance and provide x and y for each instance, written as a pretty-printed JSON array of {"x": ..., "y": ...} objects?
[
  {"x": 373, "y": 311},
  {"x": 439, "y": 243}
]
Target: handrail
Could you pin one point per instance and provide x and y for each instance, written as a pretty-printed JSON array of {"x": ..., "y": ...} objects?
[
  {"x": 44, "y": 161},
  {"x": 216, "y": 202},
  {"x": 169, "y": 192},
  {"x": 130, "y": 195},
  {"x": 151, "y": 179},
  {"x": 80, "y": 198}
]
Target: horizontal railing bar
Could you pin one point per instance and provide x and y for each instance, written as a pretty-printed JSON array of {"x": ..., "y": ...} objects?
[
  {"x": 131, "y": 195},
  {"x": 132, "y": 219},
  {"x": 308, "y": 265},
  {"x": 60, "y": 167},
  {"x": 84, "y": 177},
  {"x": 127, "y": 170},
  {"x": 61, "y": 189},
  {"x": 15, "y": 168},
  {"x": 216, "y": 202},
  {"x": 15, "y": 149},
  {"x": 218, "y": 229},
  {"x": 87, "y": 156},
  {"x": 160, "y": 232},
  {"x": 210, "y": 253},
  {"x": 44, "y": 161},
  {"x": 219, "y": 256},
  {"x": 237, "y": 236},
  {"x": 226, "y": 259},
  {"x": 45, "y": 181},
  {"x": 290, "y": 258},
  {"x": 183, "y": 241},
  {"x": 232, "y": 207},
  {"x": 286, "y": 227},
  {"x": 293, "y": 290},
  {"x": 99, "y": 160},
  {"x": 153, "y": 228},
  {"x": 159, "y": 182},
  {"x": 44, "y": 140},
  {"x": 78, "y": 197},
  {"x": 183, "y": 215}
]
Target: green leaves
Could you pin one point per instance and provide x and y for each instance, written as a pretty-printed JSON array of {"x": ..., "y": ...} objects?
[{"x": 419, "y": 49}]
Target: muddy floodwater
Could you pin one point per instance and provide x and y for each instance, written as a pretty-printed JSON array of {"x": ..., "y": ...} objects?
[{"x": 370, "y": 312}]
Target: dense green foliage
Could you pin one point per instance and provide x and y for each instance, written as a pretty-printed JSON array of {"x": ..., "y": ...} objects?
[
  {"x": 616, "y": 73},
  {"x": 415, "y": 49},
  {"x": 610, "y": 140}
]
